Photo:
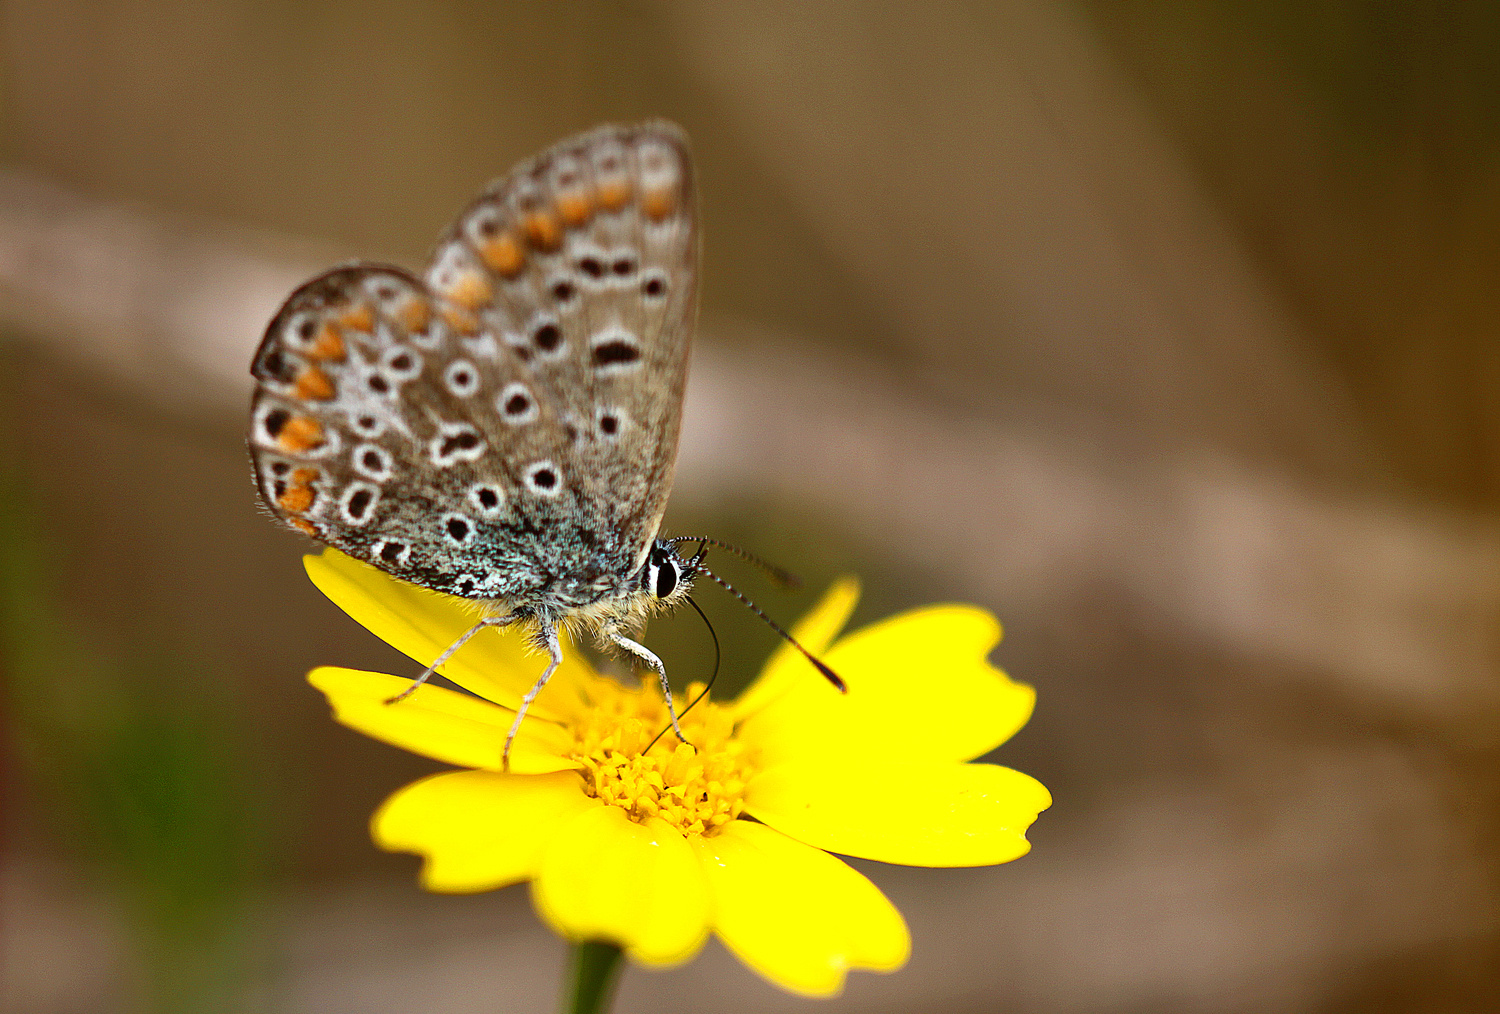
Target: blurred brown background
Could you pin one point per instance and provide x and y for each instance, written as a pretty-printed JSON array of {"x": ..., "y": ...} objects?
[{"x": 1170, "y": 332}]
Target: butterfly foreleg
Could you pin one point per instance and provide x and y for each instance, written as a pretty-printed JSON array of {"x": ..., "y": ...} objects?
[
  {"x": 488, "y": 621},
  {"x": 646, "y": 655},
  {"x": 547, "y": 637}
]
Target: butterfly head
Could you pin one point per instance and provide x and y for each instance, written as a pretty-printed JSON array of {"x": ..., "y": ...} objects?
[{"x": 668, "y": 575}]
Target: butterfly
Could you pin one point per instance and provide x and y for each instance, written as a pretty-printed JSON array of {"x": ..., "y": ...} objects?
[{"x": 504, "y": 426}]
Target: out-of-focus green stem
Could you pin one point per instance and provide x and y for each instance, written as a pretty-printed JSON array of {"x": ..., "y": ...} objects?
[{"x": 595, "y": 973}]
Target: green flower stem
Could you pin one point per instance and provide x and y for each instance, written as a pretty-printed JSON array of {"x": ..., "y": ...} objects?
[{"x": 596, "y": 973}]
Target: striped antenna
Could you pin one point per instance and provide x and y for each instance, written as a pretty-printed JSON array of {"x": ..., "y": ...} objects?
[
  {"x": 818, "y": 664},
  {"x": 779, "y": 575}
]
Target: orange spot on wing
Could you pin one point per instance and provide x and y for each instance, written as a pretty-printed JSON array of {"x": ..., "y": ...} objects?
[
  {"x": 296, "y": 499},
  {"x": 328, "y": 344},
  {"x": 659, "y": 203},
  {"x": 414, "y": 314},
  {"x": 313, "y": 385},
  {"x": 613, "y": 194},
  {"x": 542, "y": 230},
  {"x": 301, "y": 433},
  {"x": 460, "y": 320},
  {"x": 304, "y": 526},
  {"x": 359, "y": 317},
  {"x": 575, "y": 206},
  {"x": 299, "y": 494},
  {"x": 470, "y": 289},
  {"x": 503, "y": 254}
]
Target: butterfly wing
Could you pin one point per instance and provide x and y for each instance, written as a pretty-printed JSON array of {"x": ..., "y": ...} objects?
[{"x": 505, "y": 426}]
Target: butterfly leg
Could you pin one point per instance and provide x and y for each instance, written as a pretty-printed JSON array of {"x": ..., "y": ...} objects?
[
  {"x": 548, "y": 637},
  {"x": 488, "y": 621},
  {"x": 646, "y": 655}
]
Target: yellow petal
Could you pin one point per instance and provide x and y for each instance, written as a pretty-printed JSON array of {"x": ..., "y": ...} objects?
[
  {"x": 919, "y": 687},
  {"x": 440, "y": 723},
  {"x": 796, "y": 915},
  {"x": 478, "y": 830},
  {"x": 641, "y": 886},
  {"x": 498, "y": 664},
  {"x": 815, "y": 632},
  {"x": 916, "y": 814}
]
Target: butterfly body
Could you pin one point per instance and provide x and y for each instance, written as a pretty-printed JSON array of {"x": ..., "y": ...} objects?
[{"x": 502, "y": 427}]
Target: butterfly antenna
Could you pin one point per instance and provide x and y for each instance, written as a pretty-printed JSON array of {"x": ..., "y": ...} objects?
[
  {"x": 818, "y": 664},
  {"x": 706, "y": 687},
  {"x": 780, "y": 575}
]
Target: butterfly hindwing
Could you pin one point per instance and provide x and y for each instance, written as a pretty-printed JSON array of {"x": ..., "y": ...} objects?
[{"x": 506, "y": 426}]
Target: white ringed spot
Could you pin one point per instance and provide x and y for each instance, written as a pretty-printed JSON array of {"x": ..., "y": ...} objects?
[
  {"x": 372, "y": 461},
  {"x": 653, "y": 286},
  {"x": 457, "y": 528},
  {"x": 543, "y": 478},
  {"x": 455, "y": 442},
  {"x": 516, "y": 404},
  {"x": 392, "y": 552},
  {"x": 610, "y": 422},
  {"x": 614, "y": 350},
  {"x": 487, "y": 498},
  {"x": 461, "y": 378},
  {"x": 400, "y": 364},
  {"x": 357, "y": 502}
]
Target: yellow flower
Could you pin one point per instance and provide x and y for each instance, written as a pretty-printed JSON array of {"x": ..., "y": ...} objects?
[{"x": 649, "y": 849}]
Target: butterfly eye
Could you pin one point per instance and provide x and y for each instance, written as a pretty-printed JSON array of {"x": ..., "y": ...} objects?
[{"x": 666, "y": 579}]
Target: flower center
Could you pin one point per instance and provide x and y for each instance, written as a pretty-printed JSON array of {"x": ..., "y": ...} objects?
[{"x": 696, "y": 790}]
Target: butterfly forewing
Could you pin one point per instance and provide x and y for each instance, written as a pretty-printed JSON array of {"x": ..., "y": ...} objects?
[{"x": 505, "y": 426}]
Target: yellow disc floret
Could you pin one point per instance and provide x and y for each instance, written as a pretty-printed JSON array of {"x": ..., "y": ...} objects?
[{"x": 697, "y": 788}]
